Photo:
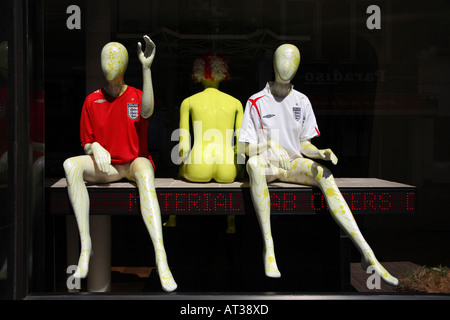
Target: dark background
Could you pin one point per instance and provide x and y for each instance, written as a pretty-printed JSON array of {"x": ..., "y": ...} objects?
[{"x": 381, "y": 97}]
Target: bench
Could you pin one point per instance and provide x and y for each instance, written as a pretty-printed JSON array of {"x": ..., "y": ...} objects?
[
  {"x": 365, "y": 196},
  {"x": 177, "y": 197}
]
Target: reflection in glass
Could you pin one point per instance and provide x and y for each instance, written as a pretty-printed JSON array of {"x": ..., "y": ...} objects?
[{"x": 4, "y": 219}]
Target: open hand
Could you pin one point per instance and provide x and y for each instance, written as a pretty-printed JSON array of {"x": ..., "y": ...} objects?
[
  {"x": 327, "y": 154},
  {"x": 146, "y": 57}
]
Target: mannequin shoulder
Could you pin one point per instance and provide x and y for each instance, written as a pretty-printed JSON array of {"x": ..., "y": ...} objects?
[
  {"x": 95, "y": 97},
  {"x": 229, "y": 98},
  {"x": 133, "y": 90},
  {"x": 256, "y": 96},
  {"x": 301, "y": 96}
]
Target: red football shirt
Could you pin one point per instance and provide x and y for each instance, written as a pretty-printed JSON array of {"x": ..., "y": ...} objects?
[{"x": 116, "y": 124}]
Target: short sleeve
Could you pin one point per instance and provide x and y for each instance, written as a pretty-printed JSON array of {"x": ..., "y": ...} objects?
[
  {"x": 248, "y": 131},
  {"x": 309, "y": 128},
  {"x": 86, "y": 130}
]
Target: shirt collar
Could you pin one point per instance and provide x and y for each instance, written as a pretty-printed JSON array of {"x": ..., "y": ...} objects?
[{"x": 267, "y": 88}]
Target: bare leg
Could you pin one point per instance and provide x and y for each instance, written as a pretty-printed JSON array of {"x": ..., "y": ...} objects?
[
  {"x": 306, "y": 171},
  {"x": 256, "y": 168},
  {"x": 77, "y": 170},
  {"x": 141, "y": 171},
  {"x": 79, "y": 199}
]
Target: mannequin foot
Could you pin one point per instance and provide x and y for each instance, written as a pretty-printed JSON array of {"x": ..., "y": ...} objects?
[
  {"x": 167, "y": 281},
  {"x": 83, "y": 264},
  {"x": 370, "y": 260},
  {"x": 171, "y": 222},
  {"x": 231, "y": 225},
  {"x": 165, "y": 275},
  {"x": 270, "y": 264}
]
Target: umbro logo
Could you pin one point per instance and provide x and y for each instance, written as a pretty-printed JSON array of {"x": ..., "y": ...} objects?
[
  {"x": 268, "y": 116},
  {"x": 100, "y": 101}
]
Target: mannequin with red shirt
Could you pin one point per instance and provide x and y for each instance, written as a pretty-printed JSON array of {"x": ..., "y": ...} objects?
[{"x": 113, "y": 132}]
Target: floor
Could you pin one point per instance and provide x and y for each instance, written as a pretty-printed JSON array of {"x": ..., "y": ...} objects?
[
  {"x": 133, "y": 279},
  {"x": 366, "y": 282}
]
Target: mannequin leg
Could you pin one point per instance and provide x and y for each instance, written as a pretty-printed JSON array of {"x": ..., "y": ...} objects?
[
  {"x": 261, "y": 202},
  {"x": 308, "y": 172},
  {"x": 78, "y": 170},
  {"x": 79, "y": 199},
  {"x": 141, "y": 171}
]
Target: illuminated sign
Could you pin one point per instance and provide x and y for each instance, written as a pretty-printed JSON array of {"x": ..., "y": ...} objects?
[{"x": 238, "y": 201}]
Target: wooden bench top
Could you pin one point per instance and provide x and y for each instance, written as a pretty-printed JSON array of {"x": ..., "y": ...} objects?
[
  {"x": 345, "y": 183},
  {"x": 363, "y": 195}
]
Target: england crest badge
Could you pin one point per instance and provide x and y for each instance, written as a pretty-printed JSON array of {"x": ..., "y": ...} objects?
[
  {"x": 133, "y": 110},
  {"x": 297, "y": 113}
]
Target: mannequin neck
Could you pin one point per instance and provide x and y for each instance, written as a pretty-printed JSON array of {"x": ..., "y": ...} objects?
[
  {"x": 210, "y": 84},
  {"x": 280, "y": 89},
  {"x": 116, "y": 88}
]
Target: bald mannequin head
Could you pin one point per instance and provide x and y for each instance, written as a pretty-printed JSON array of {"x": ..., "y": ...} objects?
[
  {"x": 114, "y": 60},
  {"x": 286, "y": 61}
]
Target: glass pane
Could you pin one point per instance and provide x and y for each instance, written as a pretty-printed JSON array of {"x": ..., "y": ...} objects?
[{"x": 5, "y": 216}]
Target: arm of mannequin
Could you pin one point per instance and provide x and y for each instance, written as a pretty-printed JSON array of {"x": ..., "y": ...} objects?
[
  {"x": 311, "y": 151},
  {"x": 184, "y": 145},
  {"x": 146, "y": 59},
  {"x": 101, "y": 155},
  {"x": 280, "y": 153},
  {"x": 240, "y": 147}
]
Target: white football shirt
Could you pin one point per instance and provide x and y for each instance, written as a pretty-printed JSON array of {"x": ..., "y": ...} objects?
[{"x": 286, "y": 121}]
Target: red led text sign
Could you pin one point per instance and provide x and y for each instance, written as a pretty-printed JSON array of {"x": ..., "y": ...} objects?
[{"x": 204, "y": 202}]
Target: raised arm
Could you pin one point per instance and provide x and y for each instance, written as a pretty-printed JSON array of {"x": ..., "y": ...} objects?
[
  {"x": 146, "y": 59},
  {"x": 311, "y": 151}
]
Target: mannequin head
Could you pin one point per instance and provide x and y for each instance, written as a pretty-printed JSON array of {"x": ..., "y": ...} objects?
[
  {"x": 286, "y": 61},
  {"x": 210, "y": 69},
  {"x": 114, "y": 60}
]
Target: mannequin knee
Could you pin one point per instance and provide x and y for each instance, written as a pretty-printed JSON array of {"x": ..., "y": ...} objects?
[
  {"x": 253, "y": 164},
  {"x": 69, "y": 166},
  {"x": 142, "y": 169},
  {"x": 320, "y": 173}
]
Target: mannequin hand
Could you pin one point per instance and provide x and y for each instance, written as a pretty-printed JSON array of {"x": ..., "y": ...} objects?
[
  {"x": 147, "y": 57},
  {"x": 101, "y": 156},
  {"x": 327, "y": 154},
  {"x": 281, "y": 154}
]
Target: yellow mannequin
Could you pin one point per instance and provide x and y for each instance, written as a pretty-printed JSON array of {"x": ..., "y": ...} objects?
[
  {"x": 216, "y": 117},
  {"x": 299, "y": 170},
  {"x": 96, "y": 165}
]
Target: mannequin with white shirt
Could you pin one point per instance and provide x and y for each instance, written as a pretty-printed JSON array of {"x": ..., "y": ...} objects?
[{"x": 277, "y": 129}]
